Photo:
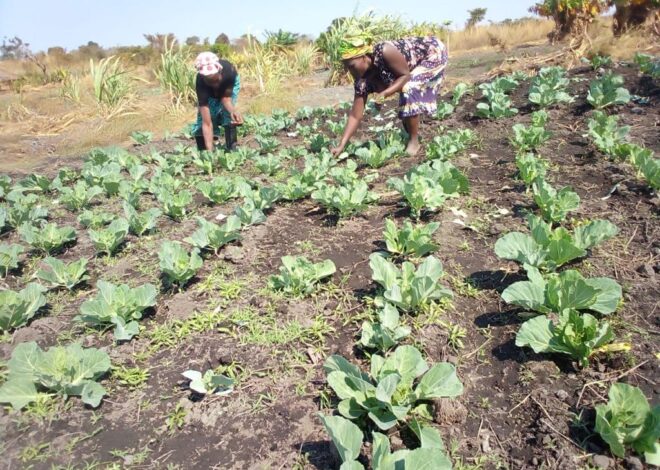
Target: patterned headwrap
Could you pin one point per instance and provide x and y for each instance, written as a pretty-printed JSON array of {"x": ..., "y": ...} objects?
[
  {"x": 207, "y": 63},
  {"x": 355, "y": 44}
]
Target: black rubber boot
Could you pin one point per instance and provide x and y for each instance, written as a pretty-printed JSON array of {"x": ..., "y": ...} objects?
[{"x": 231, "y": 137}]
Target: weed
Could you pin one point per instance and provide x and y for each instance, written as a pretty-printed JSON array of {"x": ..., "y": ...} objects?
[
  {"x": 131, "y": 377},
  {"x": 176, "y": 419}
]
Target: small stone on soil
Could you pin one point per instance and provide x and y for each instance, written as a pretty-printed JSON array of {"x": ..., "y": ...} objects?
[
  {"x": 602, "y": 461},
  {"x": 485, "y": 444},
  {"x": 561, "y": 394},
  {"x": 633, "y": 463},
  {"x": 637, "y": 110},
  {"x": 646, "y": 270}
]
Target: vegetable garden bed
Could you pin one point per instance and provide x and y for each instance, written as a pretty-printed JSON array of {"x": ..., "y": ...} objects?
[{"x": 272, "y": 336}]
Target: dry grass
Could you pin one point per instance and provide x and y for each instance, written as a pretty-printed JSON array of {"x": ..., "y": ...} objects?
[
  {"x": 603, "y": 42},
  {"x": 499, "y": 36}
]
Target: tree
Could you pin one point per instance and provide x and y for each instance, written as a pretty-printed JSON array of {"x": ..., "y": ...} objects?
[
  {"x": 56, "y": 51},
  {"x": 14, "y": 48},
  {"x": 159, "y": 42},
  {"x": 281, "y": 38},
  {"x": 477, "y": 15},
  {"x": 632, "y": 13},
  {"x": 91, "y": 50},
  {"x": 571, "y": 17},
  {"x": 192, "y": 40},
  {"x": 221, "y": 39}
]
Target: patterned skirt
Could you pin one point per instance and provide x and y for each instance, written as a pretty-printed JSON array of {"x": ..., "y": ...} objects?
[{"x": 420, "y": 94}]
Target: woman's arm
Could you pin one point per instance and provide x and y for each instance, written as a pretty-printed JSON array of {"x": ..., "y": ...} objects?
[
  {"x": 236, "y": 117},
  {"x": 397, "y": 63},
  {"x": 354, "y": 117},
  {"x": 207, "y": 127}
]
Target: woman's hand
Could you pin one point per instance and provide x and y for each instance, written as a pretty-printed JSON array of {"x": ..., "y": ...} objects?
[
  {"x": 379, "y": 98},
  {"x": 336, "y": 151},
  {"x": 236, "y": 117}
]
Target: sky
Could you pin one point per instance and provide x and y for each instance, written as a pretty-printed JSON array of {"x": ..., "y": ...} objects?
[{"x": 71, "y": 23}]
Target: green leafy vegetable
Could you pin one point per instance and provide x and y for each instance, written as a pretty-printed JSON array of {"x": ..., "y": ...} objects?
[
  {"x": 410, "y": 240},
  {"x": 175, "y": 205},
  {"x": 48, "y": 238},
  {"x": 268, "y": 164},
  {"x": 568, "y": 290},
  {"x": 547, "y": 248},
  {"x": 450, "y": 144},
  {"x": 209, "y": 383},
  {"x": 385, "y": 334},
  {"x": 299, "y": 276},
  {"x": 60, "y": 274},
  {"x": 429, "y": 185},
  {"x": 607, "y": 90},
  {"x": 444, "y": 110},
  {"x": 577, "y": 335},
  {"x": 607, "y": 136},
  {"x": 461, "y": 89},
  {"x": 16, "y": 308},
  {"x": 142, "y": 137},
  {"x": 118, "y": 305},
  {"x": 498, "y": 106},
  {"x": 80, "y": 196},
  {"x": 213, "y": 236},
  {"x": 408, "y": 288},
  {"x": 554, "y": 205},
  {"x": 93, "y": 219},
  {"x": 9, "y": 254},
  {"x": 530, "y": 167},
  {"x": 249, "y": 214},
  {"x": 108, "y": 240},
  {"x": 627, "y": 420},
  {"x": 177, "y": 264},
  {"x": 141, "y": 223},
  {"x": 396, "y": 386},
  {"x": 531, "y": 138},
  {"x": 64, "y": 370},
  {"x": 549, "y": 87},
  {"x": 345, "y": 200},
  {"x": 375, "y": 157}
]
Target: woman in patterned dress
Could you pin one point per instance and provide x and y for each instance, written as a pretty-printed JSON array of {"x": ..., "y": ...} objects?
[{"x": 413, "y": 67}]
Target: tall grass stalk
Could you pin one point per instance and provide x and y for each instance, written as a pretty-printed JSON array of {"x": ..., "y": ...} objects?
[
  {"x": 177, "y": 75},
  {"x": 71, "y": 88},
  {"x": 263, "y": 65},
  {"x": 303, "y": 58},
  {"x": 113, "y": 85}
]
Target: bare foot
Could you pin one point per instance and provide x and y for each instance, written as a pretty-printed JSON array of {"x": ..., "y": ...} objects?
[{"x": 412, "y": 148}]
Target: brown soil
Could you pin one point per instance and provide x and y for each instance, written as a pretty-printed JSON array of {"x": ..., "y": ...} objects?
[{"x": 519, "y": 410}]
